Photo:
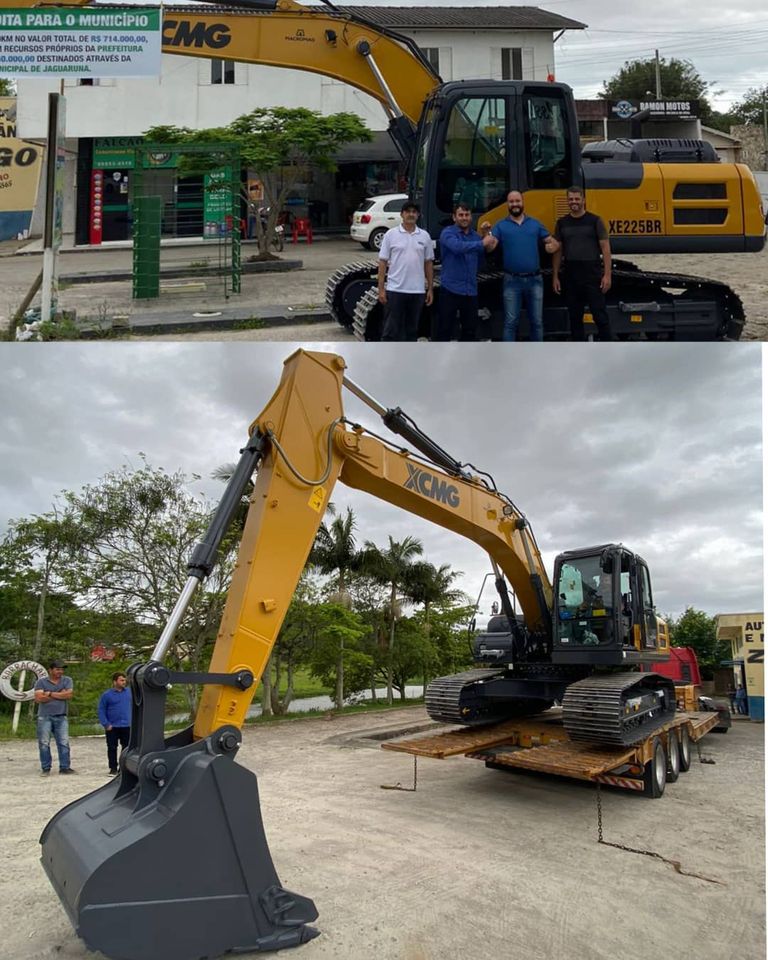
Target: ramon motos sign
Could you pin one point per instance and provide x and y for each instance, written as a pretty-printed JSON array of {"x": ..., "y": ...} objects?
[
  {"x": 658, "y": 109},
  {"x": 90, "y": 42}
]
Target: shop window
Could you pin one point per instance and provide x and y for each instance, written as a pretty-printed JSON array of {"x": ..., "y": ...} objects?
[
  {"x": 511, "y": 63},
  {"x": 433, "y": 56}
]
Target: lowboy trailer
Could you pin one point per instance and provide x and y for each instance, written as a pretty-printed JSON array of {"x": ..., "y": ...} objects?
[{"x": 540, "y": 744}]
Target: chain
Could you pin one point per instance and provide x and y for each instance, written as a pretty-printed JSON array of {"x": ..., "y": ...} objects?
[
  {"x": 646, "y": 853},
  {"x": 701, "y": 758},
  {"x": 398, "y": 785}
]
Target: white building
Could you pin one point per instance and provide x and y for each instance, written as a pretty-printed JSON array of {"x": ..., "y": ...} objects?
[{"x": 105, "y": 117}]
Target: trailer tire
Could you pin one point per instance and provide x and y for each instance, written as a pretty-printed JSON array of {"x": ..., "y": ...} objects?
[
  {"x": 674, "y": 765},
  {"x": 685, "y": 749},
  {"x": 655, "y": 775}
]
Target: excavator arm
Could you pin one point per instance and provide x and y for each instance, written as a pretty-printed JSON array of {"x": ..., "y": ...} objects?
[{"x": 308, "y": 447}]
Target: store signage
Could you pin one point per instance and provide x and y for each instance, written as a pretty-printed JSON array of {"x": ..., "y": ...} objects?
[
  {"x": 20, "y": 166},
  {"x": 97, "y": 206},
  {"x": 217, "y": 204},
  {"x": 659, "y": 109},
  {"x": 90, "y": 42},
  {"x": 118, "y": 153}
]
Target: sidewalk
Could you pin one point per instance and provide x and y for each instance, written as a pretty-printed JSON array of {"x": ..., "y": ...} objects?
[{"x": 96, "y": 283}]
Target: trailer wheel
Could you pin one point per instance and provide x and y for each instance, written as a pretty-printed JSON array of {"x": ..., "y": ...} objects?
[
  {"x": 673, "y": 757},
  {"x": 655, "y": 776},
  {"x": 685, "y": 749}
]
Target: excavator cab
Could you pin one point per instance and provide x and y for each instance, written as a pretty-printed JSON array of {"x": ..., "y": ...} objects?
[{"x": 604, "y": 612}]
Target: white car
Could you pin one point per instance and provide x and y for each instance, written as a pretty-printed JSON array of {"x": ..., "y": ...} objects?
[{"x": 374, "y": 217}]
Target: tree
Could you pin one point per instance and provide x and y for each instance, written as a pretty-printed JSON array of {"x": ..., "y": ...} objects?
[
  {"x": 6, "y": 87},
  {"x": 138, "y": 528},
  {"x": 281, "y": 143},
  {"x": 750, "y": 107},
  {"x": 334, "y": 553},
  {"x": 680, "y": 80},
  {"x": 431, "y": 586},
  {"x": 391, "y": 567},
  {"x": 696, "y": 629}
]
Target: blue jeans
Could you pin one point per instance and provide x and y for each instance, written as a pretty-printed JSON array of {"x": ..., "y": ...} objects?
[
  {"x": 59, "y": 727},
  {"x": 517, "y": 290}
]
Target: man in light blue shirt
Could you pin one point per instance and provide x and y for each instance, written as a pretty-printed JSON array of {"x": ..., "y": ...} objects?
[{"x": 519, "y": 237}]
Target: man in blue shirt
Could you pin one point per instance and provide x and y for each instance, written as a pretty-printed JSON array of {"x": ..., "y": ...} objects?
[
  {"x": 115, "y": 717},
  {"x": 519, "y": 237},
  {"x": 52, "y": 694},
  {"x": 461, "y": 251}
]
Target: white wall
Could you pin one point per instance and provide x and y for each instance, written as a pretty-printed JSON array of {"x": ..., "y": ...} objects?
[{"x": 184, "y": 96}]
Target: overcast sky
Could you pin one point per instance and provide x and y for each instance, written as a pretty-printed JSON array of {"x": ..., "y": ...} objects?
[{"x": 656, "y": 447}]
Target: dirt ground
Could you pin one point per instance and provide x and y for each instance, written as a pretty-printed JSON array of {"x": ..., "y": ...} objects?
[{"x": 476, "y": 864}]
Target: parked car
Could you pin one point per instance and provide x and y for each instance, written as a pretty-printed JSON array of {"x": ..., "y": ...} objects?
[{"x": 374, "y": 217}]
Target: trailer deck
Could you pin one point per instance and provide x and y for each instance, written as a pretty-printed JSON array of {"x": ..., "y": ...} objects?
[{"x": 541, "y": 744}]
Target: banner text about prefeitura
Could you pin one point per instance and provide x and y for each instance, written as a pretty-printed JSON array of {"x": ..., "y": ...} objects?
[{"x": 90, "y": 42}]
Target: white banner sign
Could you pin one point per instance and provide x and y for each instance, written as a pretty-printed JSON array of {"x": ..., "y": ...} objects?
[{"x": 89, "y": 42}]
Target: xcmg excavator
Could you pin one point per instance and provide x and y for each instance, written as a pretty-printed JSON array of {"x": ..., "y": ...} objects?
[
  {"x": 170, "y": 861},
  {"x": 473, "y": 141}
]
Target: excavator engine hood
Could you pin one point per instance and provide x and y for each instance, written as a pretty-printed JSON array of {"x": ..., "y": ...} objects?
[{"x": 170, "y": 860}]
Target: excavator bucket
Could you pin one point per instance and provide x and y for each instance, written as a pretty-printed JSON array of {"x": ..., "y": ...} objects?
[{"x": 170, "y": 860}]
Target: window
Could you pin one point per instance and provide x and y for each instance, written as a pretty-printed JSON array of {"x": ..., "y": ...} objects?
[
  {"x": 394, "y": 206},
  {"x": 222, "y": 71},
  {"x": 585, "y": 602},
  {"x": 511, "y": 63},
  {"x": 547, "y": 144},
  {"x": 473, "y": 165},
  {"x": 433, "y": 55}
]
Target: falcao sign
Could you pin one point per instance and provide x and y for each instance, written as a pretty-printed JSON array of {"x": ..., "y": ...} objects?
[{"x": 90, "y": 42}]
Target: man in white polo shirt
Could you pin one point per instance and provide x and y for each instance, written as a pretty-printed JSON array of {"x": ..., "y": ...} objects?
[{"x": 405, "y": 261}]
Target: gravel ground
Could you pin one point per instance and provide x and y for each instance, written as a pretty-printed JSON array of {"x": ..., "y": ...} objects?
[{"x": 475, "y": 865}]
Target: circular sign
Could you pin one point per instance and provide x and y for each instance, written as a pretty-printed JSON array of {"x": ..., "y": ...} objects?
[
  {"x": 624, "y": 109},
  {"x": 8, "y": 690}
]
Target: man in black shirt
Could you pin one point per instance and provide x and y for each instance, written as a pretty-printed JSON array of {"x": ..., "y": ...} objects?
[{"x": 584, "y": 245}]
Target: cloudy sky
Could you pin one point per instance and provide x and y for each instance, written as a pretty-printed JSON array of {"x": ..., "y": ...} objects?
[{"x": 659, "y": 448}]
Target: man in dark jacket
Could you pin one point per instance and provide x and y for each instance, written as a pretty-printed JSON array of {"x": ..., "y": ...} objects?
[
  {"x": 115, "y": 717},
  {"x": 461, "y": 252},
  {"x": 586, "y": 249}
]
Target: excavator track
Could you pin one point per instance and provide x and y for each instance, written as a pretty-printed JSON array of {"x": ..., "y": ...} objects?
[
  {"x": 352, "y": 300},
  {"x": 618, "y": 709},
  {"x": 340, "y": 287},
  {"x": 454, "y": 699}
]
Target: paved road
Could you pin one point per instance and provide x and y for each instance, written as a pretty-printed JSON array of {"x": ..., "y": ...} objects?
[{"x": 747, "y": 273}]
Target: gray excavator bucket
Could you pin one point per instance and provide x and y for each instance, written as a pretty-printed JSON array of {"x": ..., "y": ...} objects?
[{"x": 170, "y": 860}]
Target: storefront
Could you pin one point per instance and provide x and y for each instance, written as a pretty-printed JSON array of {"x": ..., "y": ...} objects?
[{"x": 745, "y": 633}]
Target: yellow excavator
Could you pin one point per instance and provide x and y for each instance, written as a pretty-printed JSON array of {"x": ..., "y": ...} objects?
[
  {"x": 170, "y": 861},
  {"x": 473, "y": 141}
]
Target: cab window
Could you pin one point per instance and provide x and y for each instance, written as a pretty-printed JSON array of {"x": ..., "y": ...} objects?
[
  {"x": 473, "y": 163},
  {"x": 547, "y": 144}
]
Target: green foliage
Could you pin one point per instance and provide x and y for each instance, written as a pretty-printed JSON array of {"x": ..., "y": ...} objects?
[
  {"x": 751, "y": 106},
  {"x": 6, "y": 87},
  {"x": 697, "y": 629},
  {"x": 680, "y": 80},
  {"x": 280, "y": 143}
]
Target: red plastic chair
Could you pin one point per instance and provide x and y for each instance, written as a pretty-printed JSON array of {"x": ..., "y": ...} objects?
[{"x": 302, "y": 228}]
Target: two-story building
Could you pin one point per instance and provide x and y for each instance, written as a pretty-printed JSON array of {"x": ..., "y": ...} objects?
[{"x": 106, "y": 118}]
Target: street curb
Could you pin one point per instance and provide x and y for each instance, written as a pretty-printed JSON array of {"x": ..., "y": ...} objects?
[
  {"x": 231, "y": 319},
  {"x": 179, "y": 273}
]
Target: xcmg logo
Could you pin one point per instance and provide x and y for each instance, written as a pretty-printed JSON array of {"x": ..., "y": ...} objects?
[
  {"x": 188, "y": 33},
  {"x": 431, "y": 486}
]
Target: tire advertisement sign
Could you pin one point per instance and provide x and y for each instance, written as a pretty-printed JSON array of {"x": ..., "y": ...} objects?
[
  {"x": 90, "y": 42},
  {"x": 20, "y": 165}
]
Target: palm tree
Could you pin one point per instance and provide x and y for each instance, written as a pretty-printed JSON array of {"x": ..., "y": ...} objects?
[
  {"x": 391, "y": 567},
  {"x": 334, "y": 553},
  {"x": 430, "y": 585}
]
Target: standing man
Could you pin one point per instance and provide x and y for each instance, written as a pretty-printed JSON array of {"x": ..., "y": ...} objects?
[
  {"x": 519, "y": 237},
  {"x": 52, "y": 693},
  {"x": 587, "y": 253},
  {"x": 406, "y": 261},
  {"x": 115, "y": 717},
  {"x": 462, "y": 250}
]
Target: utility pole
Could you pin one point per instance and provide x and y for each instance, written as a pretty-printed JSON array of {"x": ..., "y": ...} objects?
[
  {"x": 658, "y": 77},
  {"x": 765, "y": 128}
]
